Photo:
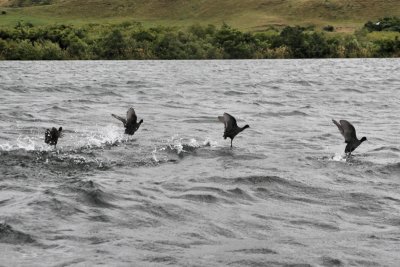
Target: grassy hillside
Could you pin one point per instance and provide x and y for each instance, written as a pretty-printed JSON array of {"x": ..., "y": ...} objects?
[{"x": 252, "y": 15}]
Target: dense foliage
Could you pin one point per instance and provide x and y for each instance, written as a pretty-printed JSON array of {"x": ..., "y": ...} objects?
[
  {"x": 384, "y": 24},
  {"x": 130, "y": 40}
]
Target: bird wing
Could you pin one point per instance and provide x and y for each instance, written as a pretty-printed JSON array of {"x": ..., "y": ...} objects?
[
  {"x": 119, "y": 118},
  {"x": 221, "y": 119},
  {"x": 349, "y": 132},
  {"x": 228, "y": 120},
  {"x": 131, "y": 117},
  {"x": 339, "y": 127},
  {"x": 231, "y": 121}
]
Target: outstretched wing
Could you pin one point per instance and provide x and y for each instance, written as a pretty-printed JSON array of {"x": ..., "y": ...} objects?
[
  {"x": 119, "y": 118},
  {"x": 349, "y": 132},
  {"x": 229, "y": 121},
  {"x": 131, "y": 117},
  {"x": 346, "y": 129},
  {"x": 339, "y": 127}
]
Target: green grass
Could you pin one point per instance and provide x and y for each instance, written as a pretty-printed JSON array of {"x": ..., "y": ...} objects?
[
  {"x": 249, "y": 15},
  {"x": 374, "y": 36}
]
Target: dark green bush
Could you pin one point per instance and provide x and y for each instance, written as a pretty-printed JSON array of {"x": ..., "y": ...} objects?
[
  {"x": 131, "y": 40},
  {"x": 384, "y": 24}
]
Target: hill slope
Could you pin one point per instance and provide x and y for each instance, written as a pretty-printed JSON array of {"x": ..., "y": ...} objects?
[{"x": 247, "y": 15}]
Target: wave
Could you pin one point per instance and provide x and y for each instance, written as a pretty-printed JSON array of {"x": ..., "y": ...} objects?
[
  {"x": 103, "y": 94},
  {"x": 200, "y": 119},
  {"x": 255, "y": 251},
  {"x": 287, "y": 113},
  {"x": 316, "y": 224},
  {"x": 267, "y": 187},
  {"x": 10, "y": 236},
  {"x": 235, "y": 93},
  {"x": 210, "y": 194},
  {"x": 90, "y": 193},
  {"x": 46, "y": 164},
  {"x": 302, "y": 82},
  {"x": 328, "y": 261},
  {"x": 164, "y": 211},
  {"x": 55, "y": 109},
  {"x": 177, "y": 148},
  {"x": 392, "y": 168},
  {"x": 164, "y": 260},
  {"x": 387, "y": 148},
  {"x": 272, "y": 103},
  {"x": 206, "y": 198},
  {"x": 250, "y": 180},
  {"x": 352, "y": 90}
]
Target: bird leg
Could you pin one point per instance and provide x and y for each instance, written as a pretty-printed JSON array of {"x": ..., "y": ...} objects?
[{"x": 231, "y": 142}]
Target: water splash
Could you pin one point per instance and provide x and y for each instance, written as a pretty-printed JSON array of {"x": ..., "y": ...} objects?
[
  {"x": 27, "y": 143},
  {"x": 210, "y": 143},
  {"x": 154, "y": 155},
  {"x": 339, "y": 157},
  {"x": 108, "y": 135}
]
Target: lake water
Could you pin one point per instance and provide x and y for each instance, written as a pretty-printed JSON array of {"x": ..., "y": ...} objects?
[{"x": 175, "y": 193}]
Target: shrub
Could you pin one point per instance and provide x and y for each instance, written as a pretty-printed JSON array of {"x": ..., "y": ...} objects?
[
  {"x": 384, "y": 24},
  {"x": 329, "y": 28}
]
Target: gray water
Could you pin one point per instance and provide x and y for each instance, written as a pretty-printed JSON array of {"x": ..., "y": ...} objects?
[{"x": 175, "y": 193}]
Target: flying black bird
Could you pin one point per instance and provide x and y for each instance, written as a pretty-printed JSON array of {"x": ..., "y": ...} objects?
[
  {"x": 130, "y": 123},
  {"x": 51, "y": 136},
  {"x": 349, "y": 133},
  {"x": 231, "y": 128}
]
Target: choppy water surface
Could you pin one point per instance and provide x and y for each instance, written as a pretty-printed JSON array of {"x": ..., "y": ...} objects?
[{"x": 175, "y": 193}]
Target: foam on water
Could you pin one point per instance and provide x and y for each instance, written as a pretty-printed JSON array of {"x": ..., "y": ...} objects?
[
  {"x": 339, "y": 157},
  {"x": 100, "y": 136},
  {"x": 28, "y": 143}
]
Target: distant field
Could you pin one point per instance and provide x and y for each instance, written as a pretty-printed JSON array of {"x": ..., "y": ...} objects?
[{"x": 249, "y": 15}]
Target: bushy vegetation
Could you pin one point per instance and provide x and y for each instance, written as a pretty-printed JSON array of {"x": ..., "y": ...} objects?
[
  {"x": 130, "y": 40},
  {"x": 384, "y": 24}
]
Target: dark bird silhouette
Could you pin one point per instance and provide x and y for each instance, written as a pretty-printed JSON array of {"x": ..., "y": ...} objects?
[
  {"x": 231, "y": 128},
  {"x": 349, "y": 133},
  {"x": 130, "y": 123},
  {"x": 51, "y": 136}
]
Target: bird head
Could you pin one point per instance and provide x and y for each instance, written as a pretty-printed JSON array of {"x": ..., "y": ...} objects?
[
  {"x": 363, "y": 139},
  {"x": 246, "y": 126},
  {"x": 60, "y": 129}
]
